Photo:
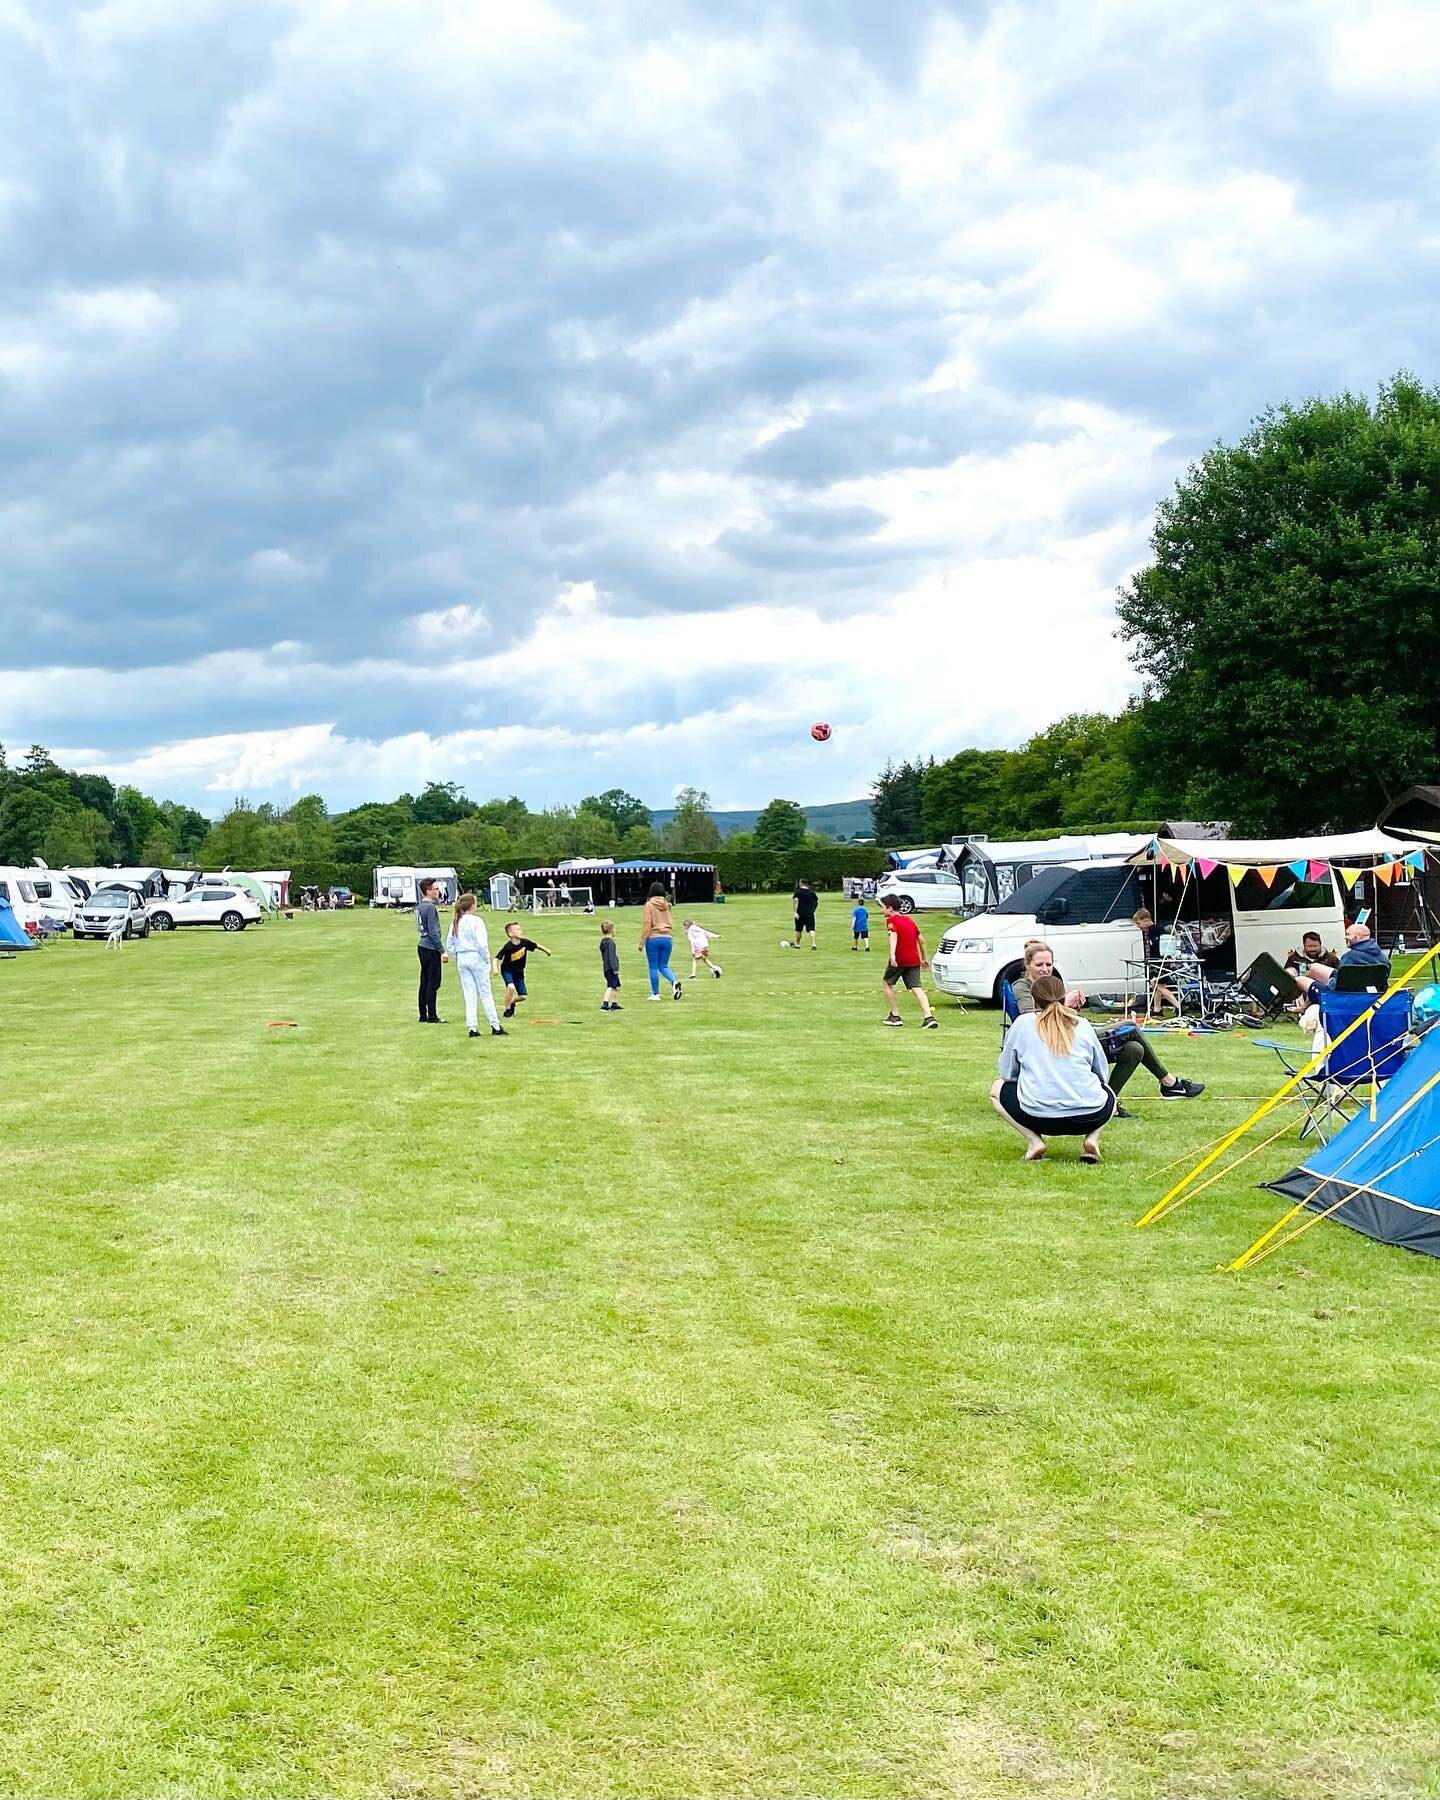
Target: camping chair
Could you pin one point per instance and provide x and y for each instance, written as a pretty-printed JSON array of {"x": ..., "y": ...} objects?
[
  {"x": 1009, "y": 1008},
  {"x": 1330, "y": 1092}
]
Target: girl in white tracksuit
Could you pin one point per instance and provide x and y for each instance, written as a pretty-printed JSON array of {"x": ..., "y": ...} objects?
[{"x": 469, "y": 944}]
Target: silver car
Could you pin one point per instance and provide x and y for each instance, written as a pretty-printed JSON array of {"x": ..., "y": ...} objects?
[{"x": 105, "y": 910}]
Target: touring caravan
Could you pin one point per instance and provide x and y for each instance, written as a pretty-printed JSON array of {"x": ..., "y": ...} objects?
[
  {"x": 17, "y": 888},
  {"x": 395, "y": 886},
  {"x": 1084, "y": 912}
]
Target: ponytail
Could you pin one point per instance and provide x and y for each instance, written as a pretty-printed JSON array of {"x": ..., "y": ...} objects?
[
  {"x": 1055, "y": 1022},
  {"x": 464, "y": 904}
]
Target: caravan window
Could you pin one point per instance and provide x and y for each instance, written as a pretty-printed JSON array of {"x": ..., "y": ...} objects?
[
  {"x": 23, "y": 888},
  {"x": 1285, "y": 893},
  {"x": 42, "y": 889}
]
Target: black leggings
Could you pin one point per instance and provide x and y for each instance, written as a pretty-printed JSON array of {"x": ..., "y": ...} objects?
[
  {"x": 1054, "y": 1124},
  {"x": 1133, "y": 1054}
]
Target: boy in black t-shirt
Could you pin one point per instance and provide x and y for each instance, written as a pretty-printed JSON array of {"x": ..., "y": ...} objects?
[{"x": 510, "y": 964}]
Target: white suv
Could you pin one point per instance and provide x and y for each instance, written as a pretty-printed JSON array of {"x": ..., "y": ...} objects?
[
  {"x": 232, "y": 909},
  {"x": 923, "y": 890}
]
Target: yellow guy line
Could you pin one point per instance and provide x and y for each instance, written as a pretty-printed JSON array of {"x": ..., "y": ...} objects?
[
  {"x": 1171, "y": 1199},
  {"x": 1200, "y": 1149}
]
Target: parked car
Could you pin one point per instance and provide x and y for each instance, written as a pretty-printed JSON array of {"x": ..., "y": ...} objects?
[
  {"x": 232, "y": 909},
  {"x": 922, "y": 890},
  {"x": 97, "y": 917},
  {"x": 341, "y": 897}
]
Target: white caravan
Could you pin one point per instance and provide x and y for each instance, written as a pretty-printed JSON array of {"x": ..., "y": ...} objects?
[
  {"x": 1084, "y": 913},
  {"x": 395, "y": 886},
  {"x": 18, "y": 887}
]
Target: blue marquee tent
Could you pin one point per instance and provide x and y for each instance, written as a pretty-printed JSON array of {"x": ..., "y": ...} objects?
[
  {"x": 12, "y": 932},
  {"x": 1381, "y": 1175}
]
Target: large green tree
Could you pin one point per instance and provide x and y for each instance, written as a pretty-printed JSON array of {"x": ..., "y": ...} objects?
[
  {"x": 781, "y": 826},
  {"x": 623, "y": 810},
  {"x": 897, "y": 802},
  {"x": 692, "y": 831},
  {"x": 1288, "y": 628}
]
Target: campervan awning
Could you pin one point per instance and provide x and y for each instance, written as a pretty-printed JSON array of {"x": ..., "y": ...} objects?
[{"x": 1354, "y": 847}]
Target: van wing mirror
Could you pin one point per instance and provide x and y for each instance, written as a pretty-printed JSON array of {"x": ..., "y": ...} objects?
[{"x": 1053, "y": 912}]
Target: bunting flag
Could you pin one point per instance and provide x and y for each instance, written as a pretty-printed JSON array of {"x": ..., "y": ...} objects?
[
  {"x": 1416, "y": 860},
  {"x": 1238, "y": 872},
  {"x": 1268, "y": 873},
  {"x": 1206, "y": 868},
  {"x": 1349, "y": 877},
  {"x": 1164, "y": 860},
  {"x": 1384, "y": 872},
  {"x": 1300, "y": 870},
  {"x": 1318, "y": 870}
]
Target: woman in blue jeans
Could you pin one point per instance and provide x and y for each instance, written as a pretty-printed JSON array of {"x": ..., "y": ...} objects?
[{"x": 657, "y": 937}]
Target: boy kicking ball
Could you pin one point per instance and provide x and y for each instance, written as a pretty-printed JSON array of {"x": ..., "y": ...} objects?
[
  {"x": 510, "y": 964},
  {"x": 907, "y": 959},
  {"x": 700, "y": 949}
]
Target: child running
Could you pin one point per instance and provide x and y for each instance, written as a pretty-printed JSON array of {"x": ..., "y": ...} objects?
[
  {"x": 907, "y": 959},
  {"x": 860, "y": 927},
  {"x": 609, "y": 967},
  {"x": 510, "y": 964},
  {"x": 700, "y": 949}
]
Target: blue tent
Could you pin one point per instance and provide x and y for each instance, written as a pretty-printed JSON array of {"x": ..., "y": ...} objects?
[
  {"x": 1382, "y": 1175},
  {"x": 12, "y": 932}
]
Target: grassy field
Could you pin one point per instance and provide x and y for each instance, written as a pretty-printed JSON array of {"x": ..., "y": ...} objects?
[{"x": 697, "y": 1401}]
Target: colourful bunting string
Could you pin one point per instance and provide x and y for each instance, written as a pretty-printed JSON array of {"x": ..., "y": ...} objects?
[
  {"x": 1237, "y": 874},
  {"x": 1416, "y": 860},
  {"x": 1318, "y": 870},
  {"x": 1385, "y": 872},
  {"x": 1300, "y": 870},
  {"x": 1206, "y": 868},
  {"x": 1268, "y": 873},
  {"x": 1349, "y": 877}
]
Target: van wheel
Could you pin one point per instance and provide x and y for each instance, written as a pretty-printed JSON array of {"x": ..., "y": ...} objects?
[
  {"x": 907, "y": 905},
  {"x": 232, "y": 921},
  {"x": 1011, "y": 973}
]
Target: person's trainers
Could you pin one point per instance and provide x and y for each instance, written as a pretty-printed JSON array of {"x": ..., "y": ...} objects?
[
  {"x": 1182, "y": 1090},
  {"x": 498, "y": 1031},
  {"x": 930, "y": 1023},
  {"x": 472, "y": 1034},
  {"x": 1120, "y": 1113},
  {"x": 894, "y": 1020},
  {"x": 717, "y": 971},
  {"x": 1195, "y": 1088},
  {"x": 510, "y": 1010},
  {"x": 675, "y": 991}
]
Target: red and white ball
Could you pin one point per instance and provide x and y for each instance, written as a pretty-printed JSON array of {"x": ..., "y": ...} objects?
[{"x": 820, "y": 731}]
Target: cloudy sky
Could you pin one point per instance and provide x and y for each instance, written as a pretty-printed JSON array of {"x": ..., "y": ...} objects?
[{"x": 547, "y": 396}]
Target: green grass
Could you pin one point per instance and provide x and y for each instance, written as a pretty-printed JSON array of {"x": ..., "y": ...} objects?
[{"x": 700, "y": 1401}]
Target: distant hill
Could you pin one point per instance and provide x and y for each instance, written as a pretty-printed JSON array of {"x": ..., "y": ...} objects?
[{"x": 841, "y": 819}]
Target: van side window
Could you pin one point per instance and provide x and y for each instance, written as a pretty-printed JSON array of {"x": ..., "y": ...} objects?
[
  {"x": 1285, "y": 894},
  {"x": 1097, "y": 895}
]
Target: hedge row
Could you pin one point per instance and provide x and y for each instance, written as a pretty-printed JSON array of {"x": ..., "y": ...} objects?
[{"x": 740, "y": 871}]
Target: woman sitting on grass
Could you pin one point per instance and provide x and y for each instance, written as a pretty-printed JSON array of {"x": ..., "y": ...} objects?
[{"x": 1052, "y": 1076}]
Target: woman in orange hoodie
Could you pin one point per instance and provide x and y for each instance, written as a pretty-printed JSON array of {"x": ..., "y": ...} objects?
[{"x": 657, "y": 938}]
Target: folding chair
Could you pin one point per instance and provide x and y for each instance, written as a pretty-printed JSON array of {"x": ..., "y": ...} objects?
[
  {"x": 1330, "y": 1092},
  {"x": 1009, "y": 1008}
]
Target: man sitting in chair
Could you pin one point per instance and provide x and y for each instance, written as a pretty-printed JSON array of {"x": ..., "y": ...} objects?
[
  {"x": 1362, "y": 952},
  {"x": 1312, "y": 950},
  {"x": 1125, "y": 1050}
]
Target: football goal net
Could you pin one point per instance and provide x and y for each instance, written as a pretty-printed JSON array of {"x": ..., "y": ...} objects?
[{"x": 562, "y": 899}]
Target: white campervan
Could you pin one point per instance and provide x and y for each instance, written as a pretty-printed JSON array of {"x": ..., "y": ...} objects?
[
  {"x": 397, "y": 886},
  {"x": 1084, "y": 914}
]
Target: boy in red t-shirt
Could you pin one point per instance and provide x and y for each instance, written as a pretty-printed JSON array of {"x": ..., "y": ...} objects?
[{"x": 907, "y": 959}]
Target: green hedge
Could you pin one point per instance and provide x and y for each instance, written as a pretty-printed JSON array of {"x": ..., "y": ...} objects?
[{"x": 740, "y": 871}]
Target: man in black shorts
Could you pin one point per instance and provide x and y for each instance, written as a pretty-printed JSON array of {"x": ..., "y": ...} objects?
[{"x": 806, "y": 900}]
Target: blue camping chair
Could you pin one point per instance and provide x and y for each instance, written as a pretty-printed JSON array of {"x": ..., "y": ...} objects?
[
  {"x": 1009, "y": 1008},
  {"x": 1330, "y": 1092}
]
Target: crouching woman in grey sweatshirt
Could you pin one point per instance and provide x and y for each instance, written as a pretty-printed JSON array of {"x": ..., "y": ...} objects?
[
  {"x": 470, "y": 946},
  {"x": 1052, "y": 1076}
]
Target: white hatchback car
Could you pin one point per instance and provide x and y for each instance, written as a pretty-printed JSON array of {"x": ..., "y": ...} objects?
[
  {"x": 923, "y": 890},
  {"x": 232, "y": 909}
]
